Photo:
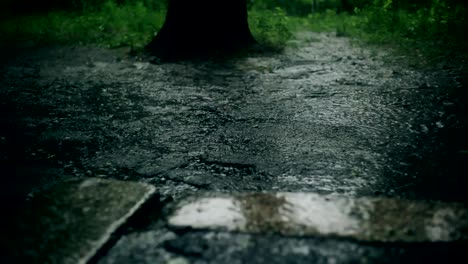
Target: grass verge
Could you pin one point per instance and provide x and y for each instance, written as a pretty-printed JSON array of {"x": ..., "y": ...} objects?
[
  {"x": 112, "y": 26},
  {"x": 428, "y": 32}
]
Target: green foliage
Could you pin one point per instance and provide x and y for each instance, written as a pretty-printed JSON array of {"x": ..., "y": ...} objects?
[
  {"x": 94, "y": 5},
  {"x": 111, "y": 26},
  {"x": 434, "y": 19},
  {"x": 327, "y": 21},
  {"x": 28, "y": 6},
  {"x": 114, "y": 23},
  {"x": 271, "y": 27},
  {"x": 290, "y": 7},
  {"x": 122, "y": 23}
]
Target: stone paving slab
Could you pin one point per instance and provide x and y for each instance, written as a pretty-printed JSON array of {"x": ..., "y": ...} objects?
[
  {"x": 71, "y": 221},
  {"x": 307, "y": 214}
]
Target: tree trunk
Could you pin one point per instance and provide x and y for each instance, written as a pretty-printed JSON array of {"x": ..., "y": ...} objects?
[
  {"x": 202, "y": 27},
  {"x": 345, "y": 6},
  {"x": 314, "y": 6}
]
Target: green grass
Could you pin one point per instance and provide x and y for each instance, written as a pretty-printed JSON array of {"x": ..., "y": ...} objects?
[
  {"x": 426, "y": 35},
  {"x": 112, "y": 26},
  {"x": 135, "y": 23},
  {"x": 131, "y": 25},
  {"x": 271, "y": 27}
]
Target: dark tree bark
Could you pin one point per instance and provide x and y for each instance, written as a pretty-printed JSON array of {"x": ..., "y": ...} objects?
[
  {"x": 201, "y": 27},
  {"x": 346, "y": 6}
]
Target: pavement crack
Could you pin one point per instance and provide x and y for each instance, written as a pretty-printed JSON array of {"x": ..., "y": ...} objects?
[
  {"x": 239, "y": 166},
  {"x": 196, "y": 185}
]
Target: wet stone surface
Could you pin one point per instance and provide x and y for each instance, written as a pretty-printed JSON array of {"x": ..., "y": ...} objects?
[
  {"x": 327, "y": 117},
  {"x": 72, "y": 221},
  {"x": 307, "y": 214},
  {"x": 225, "y": 247}
]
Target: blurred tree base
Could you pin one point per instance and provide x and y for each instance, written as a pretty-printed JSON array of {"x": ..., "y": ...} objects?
[{"x": 194, "y": 28}]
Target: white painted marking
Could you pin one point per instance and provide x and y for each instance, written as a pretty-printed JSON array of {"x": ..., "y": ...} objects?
[
  {"x": 307, "y": 214},
  {"x": 331, "y": 217},
  {"x": 210, "y": 212}
]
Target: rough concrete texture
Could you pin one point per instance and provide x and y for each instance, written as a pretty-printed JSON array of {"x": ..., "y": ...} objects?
[
  {"x": 327, "y": 117},
  {"x": 70, "y": 222},
  {"x": 306, "y": 214},
  {"x": 191, "y": 246}
]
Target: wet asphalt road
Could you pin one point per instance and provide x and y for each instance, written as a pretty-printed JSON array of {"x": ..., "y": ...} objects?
[{"x": 327, "y": 117}]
